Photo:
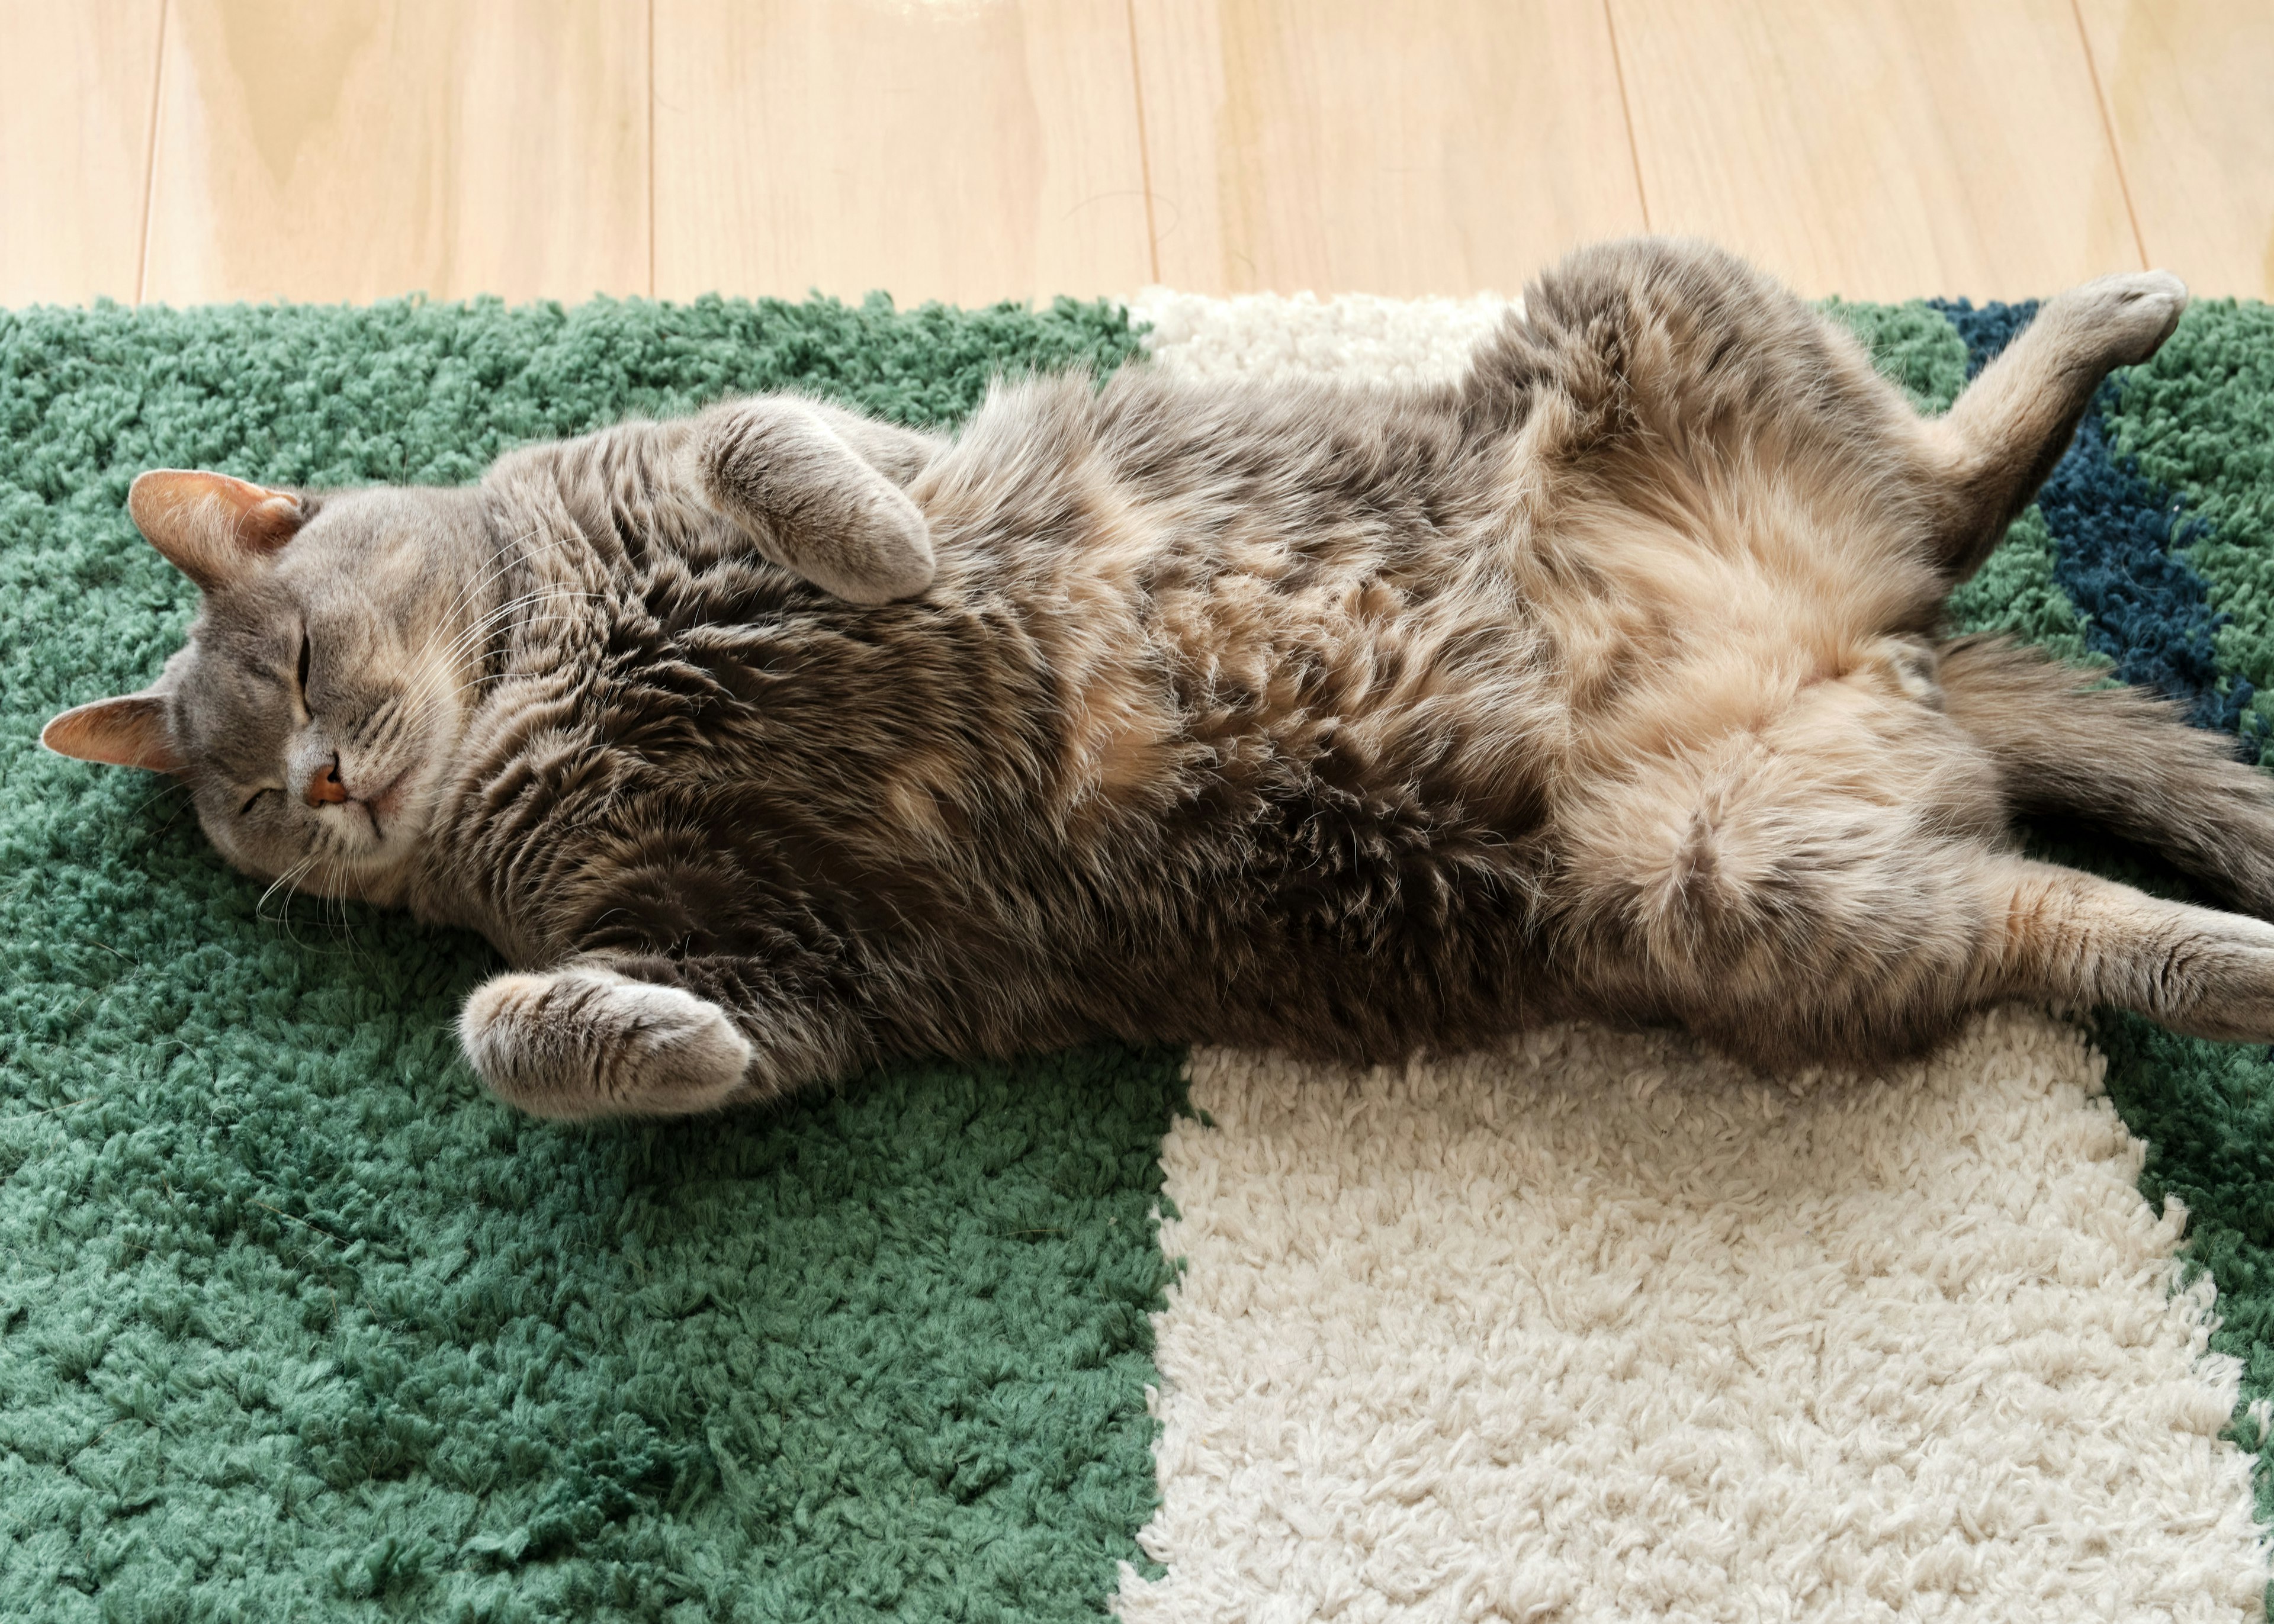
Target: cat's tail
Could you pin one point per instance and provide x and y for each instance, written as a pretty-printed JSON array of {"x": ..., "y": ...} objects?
[{"x": 2117, "y": 759}]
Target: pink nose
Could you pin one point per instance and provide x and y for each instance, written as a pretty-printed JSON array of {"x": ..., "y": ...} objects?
[{"x": 325, "y": 785}]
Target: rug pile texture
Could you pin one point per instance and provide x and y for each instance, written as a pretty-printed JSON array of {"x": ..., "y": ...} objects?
[{"x": 296, "y": 1322}]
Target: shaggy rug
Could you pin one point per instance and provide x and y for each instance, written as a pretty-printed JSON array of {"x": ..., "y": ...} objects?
[{"x": 296, "y": 1322}]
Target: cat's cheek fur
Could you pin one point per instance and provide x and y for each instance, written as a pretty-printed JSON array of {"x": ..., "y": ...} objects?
[{"x": 585, "y": 1042}]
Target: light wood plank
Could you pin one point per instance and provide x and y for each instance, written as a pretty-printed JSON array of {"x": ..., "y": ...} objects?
[
  {"x": 1438, "y": 146},
  {"x": 352, "y": 152},
  {"x": 1878, "y": 149},
  {"x": 2189, "y": 88},
  {"x": 75, "y": 147},
  {"x": 960, "y": 150}
]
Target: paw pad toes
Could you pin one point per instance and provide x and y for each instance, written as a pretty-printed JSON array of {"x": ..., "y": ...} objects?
[{"x": 585, "y": 1042}]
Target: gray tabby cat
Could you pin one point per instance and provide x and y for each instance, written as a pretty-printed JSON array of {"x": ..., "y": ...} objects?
[{"x": 1605, "y": 682}]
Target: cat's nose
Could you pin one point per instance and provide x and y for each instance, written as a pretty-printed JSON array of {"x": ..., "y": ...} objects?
[{"x": 324, "y": 786}]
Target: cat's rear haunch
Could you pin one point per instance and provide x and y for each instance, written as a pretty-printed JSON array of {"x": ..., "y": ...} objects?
[{"x": 1605, "y": 682}]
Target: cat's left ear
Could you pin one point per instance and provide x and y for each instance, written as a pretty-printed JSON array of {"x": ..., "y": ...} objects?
[
  {"x": 130, "y": 731},
  {"x": 212, "y": 527}
]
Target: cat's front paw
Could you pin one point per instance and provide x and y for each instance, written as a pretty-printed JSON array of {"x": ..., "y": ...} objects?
[{"x": 585, "y": 1042}]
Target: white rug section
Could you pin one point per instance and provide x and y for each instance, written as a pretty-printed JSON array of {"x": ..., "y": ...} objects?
[
  {"x": 1357, "y": 335},
  {"x": 1599, "y": 1328}
]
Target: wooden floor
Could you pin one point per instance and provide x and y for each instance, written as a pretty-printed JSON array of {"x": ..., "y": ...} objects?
[{"x": 192, "y": 150}]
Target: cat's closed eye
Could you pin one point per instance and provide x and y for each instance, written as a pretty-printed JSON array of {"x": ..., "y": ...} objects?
[
  {"x": 307, "y": 653},
  {"x": 246, "y": 809}
]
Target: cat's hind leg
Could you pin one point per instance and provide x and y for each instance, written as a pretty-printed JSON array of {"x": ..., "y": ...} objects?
[
  {"x": 2001, "y": 438},
  {"x": 1884, "y": 951},
  {"x": 1828, "y": 891},
  {"x": 2076, "y": 938},
  {"x": 2116, "y": 758},
  {"x": 585, "y": 1041}
]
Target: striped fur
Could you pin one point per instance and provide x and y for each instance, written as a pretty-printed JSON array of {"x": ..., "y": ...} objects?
[{"x": 1354, "y": 721}]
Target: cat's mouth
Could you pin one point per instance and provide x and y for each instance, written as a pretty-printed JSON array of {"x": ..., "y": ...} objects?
[{"x": 381, "y": 807}]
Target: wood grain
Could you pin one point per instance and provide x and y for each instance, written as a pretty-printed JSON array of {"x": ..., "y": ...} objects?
[
  {"x": 75, "y": 147},
  {"x": 2189, "y": 90},
  {"x": 1878, "y": 149},
  {"x": 351, "y": 152},
  {"x": 965, "y": 150},
  {"x": 975, "y": 149},
  {"x": 1443, "y": 147}
]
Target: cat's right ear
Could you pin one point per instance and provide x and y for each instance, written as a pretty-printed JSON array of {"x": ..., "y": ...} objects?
[
  {"x": 212, "y": 527},
  {"x": 129, "y": 731}
]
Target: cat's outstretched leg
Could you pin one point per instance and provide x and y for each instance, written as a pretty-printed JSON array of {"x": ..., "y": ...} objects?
[
  {"x": 1824, "y": 894},
  {"x": 2117, "y": 758},
  {"x": 2073, "y": 938},
  {"x": 2006, "y": 431},
  {"x": 1865, "y": 962},
  {"x": 650, "y": 1035}
]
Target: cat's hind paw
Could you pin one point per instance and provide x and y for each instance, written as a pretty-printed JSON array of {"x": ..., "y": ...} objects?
[
  {"x": 2128, "y": 316},
  {"x": 584, "y": 1042}
]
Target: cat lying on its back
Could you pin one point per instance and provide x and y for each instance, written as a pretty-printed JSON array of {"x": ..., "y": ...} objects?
[{"x": 1604, "y": 682}]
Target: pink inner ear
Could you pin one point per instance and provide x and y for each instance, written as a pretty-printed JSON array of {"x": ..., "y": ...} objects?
[
  {"x": 126, "y": 732},
  {"x": 269, "y": 524}
]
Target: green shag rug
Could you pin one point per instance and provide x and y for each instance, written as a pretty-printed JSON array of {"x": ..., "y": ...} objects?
[{"x": 296, "y": 1322}]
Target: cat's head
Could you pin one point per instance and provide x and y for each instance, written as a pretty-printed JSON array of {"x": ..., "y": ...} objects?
[{"x": 321, "y": 692}]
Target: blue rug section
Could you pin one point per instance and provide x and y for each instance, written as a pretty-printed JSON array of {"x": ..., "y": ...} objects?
[{"x": 2114, "y": 532}]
